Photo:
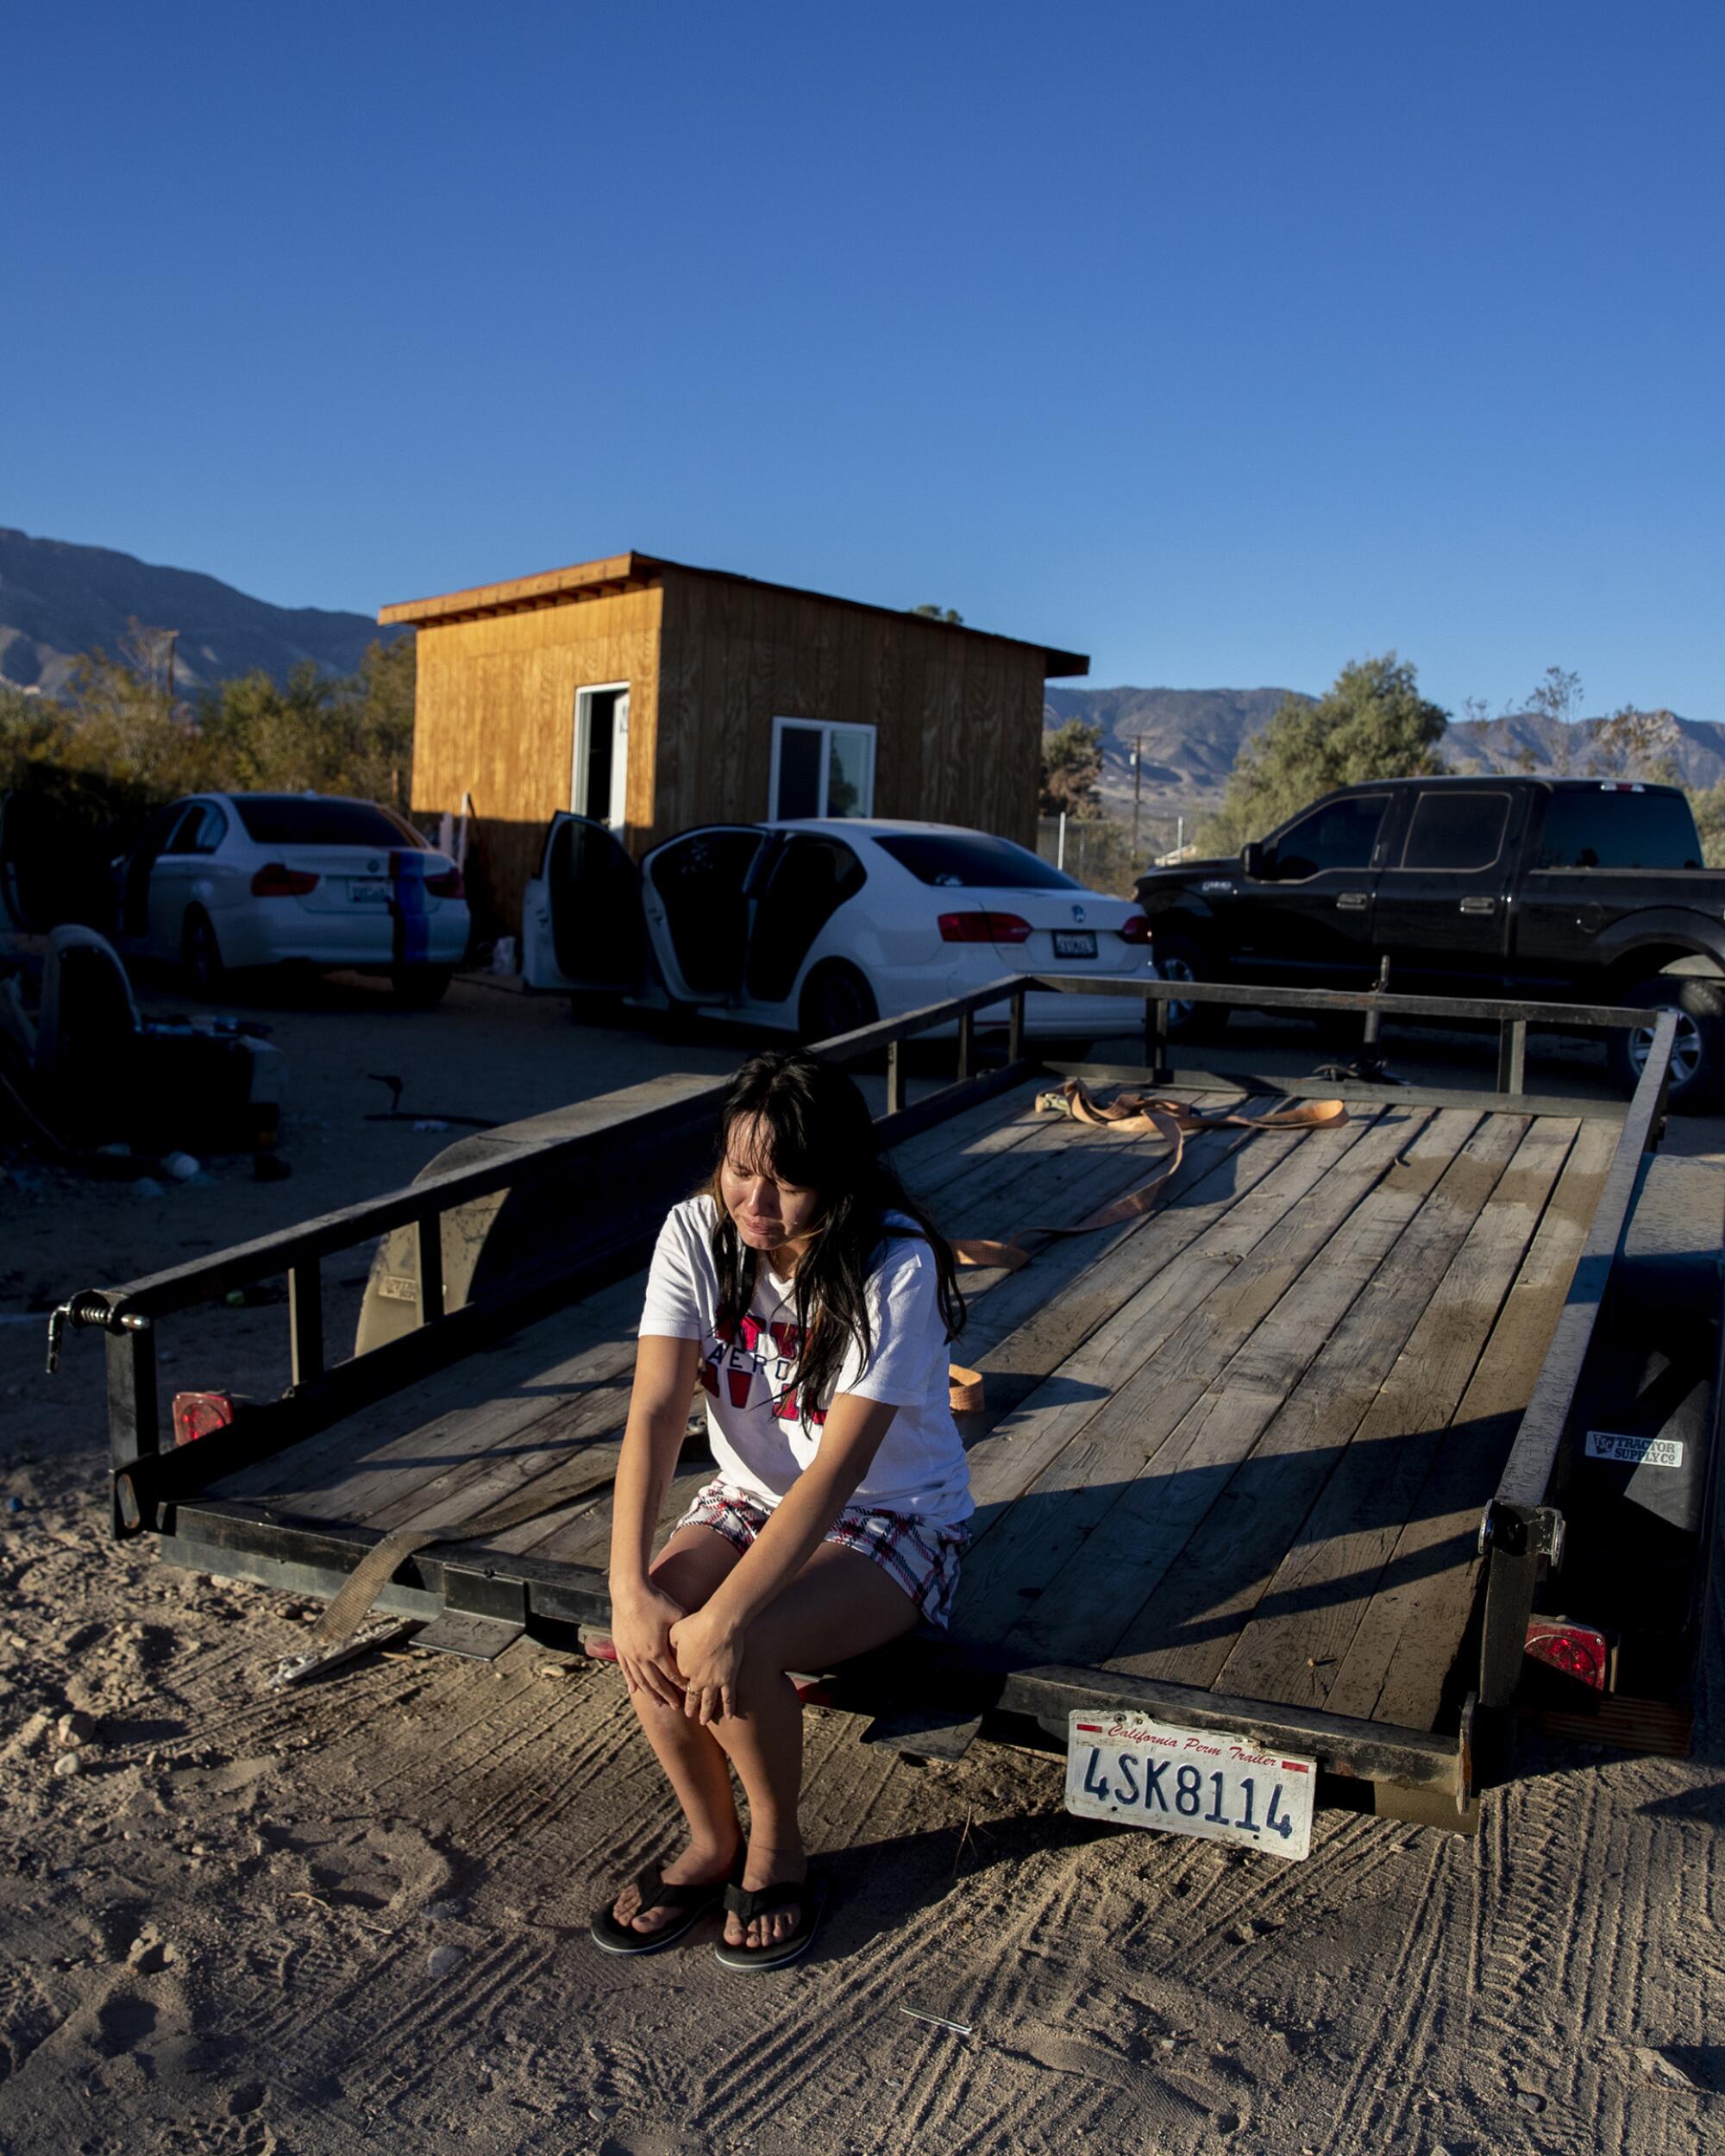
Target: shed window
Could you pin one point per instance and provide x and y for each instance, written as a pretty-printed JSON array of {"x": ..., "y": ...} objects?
[{"x": 821, "y": 769}]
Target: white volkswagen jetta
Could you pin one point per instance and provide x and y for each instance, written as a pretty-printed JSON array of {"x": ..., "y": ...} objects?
[
  {"x": 223, "y": 880},
  {"x": 817, "y": 927}
]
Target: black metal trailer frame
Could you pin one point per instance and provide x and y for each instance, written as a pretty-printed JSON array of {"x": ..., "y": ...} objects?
[{"x": 637, "y": 1166}]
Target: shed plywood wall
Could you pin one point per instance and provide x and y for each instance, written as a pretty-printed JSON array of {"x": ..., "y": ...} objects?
[
  {"x": 958, "y": 718},
  {"x": 495, "y": 717}
]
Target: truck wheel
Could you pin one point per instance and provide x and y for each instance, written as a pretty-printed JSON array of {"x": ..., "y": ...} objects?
[
  {"x": 200, "y": 955},
  {"x": 835, "y": 998},
  {"x": 1698, "y": 1067},
  {"x": 1175, "y": 959}
]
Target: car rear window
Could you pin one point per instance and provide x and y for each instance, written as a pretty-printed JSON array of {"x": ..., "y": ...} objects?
[
  {"x": 1615, "y": 830},
  {"x": 309, "y": 819},
  {"x": 959, "y": 859}
]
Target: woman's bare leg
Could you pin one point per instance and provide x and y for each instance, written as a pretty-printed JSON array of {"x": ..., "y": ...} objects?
[
  {"x": 839, "y": 1605},
  {"x": 688, "y": 1568}
]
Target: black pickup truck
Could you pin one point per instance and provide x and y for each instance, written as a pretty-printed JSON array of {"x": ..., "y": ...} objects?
[{"x": 1561, "y": 890}]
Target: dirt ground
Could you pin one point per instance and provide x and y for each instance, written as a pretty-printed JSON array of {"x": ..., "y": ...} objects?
[{"x": 356, "y": 1915}]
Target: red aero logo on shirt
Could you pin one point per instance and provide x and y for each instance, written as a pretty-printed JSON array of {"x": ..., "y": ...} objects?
[{"x": 747, "y": 1349}]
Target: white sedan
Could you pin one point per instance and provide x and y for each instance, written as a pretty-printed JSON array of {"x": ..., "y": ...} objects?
[
  {"x": 817, "y": 927},
  {"x": 225, "y": 880}
]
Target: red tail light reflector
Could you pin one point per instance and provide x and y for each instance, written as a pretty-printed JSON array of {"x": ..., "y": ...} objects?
[
  {"x": 983, "y": 928},
  {"x": 275, "y": 880},
  {"x": 1579, "y": 1650},
  {"x": 446, "y": 884},
  {"x": 1135, "y": 929},
  {"x": 196, "y": 1414}
]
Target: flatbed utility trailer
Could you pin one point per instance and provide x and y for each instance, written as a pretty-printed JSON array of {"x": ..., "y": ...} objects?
[{"x": 1296, "y": 1454}]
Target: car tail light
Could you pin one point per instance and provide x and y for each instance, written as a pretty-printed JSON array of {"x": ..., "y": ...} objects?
[
  {"x": 983, "y": 928},
  {"x": 1579, "y": 1650},
  {"x": 446, "y": 884},
  {"x": 275, "y": 880},
  {"x": 1135, "y": 929}
]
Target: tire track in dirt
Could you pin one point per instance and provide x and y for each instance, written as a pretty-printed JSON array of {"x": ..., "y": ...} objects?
[{"x": 1384, "y": 2061}]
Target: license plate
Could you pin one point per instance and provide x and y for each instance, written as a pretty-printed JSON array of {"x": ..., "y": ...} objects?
[
  {"x": 1075, "y": 943},
  {"x": 365, "y": 891},
  {"x": 1141, "y": 1773}
]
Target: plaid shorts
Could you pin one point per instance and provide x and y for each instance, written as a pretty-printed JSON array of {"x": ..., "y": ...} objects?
[{"x": 920, "y": 1558}]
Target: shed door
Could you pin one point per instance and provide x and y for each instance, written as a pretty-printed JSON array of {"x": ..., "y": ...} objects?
[
  {"x": 598, "y": 780},
  {"x": 580, "y": 917}
]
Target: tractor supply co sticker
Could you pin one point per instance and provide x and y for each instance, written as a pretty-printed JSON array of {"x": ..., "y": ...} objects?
[{"x": 1612, "y": 1445}]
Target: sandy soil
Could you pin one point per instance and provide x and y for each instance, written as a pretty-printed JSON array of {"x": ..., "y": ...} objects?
[{"x": 356, "y": 1915}]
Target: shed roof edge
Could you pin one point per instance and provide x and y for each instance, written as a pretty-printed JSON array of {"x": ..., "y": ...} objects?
[{"x": 633, "y": 571}]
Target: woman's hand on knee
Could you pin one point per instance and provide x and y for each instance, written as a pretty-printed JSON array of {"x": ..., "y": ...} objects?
[
  {"x": 709, "y": 1656},
  {"x": 642, "y": 1619}
]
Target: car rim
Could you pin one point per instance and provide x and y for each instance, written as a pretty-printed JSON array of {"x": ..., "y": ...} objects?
[
  {"x": 1176, "y": 969},
  {"x": 1686, "y": 1049}
]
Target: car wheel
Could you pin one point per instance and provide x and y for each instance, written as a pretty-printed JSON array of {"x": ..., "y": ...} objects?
[
  {"x": 1175, "y": 959},
  {"x": 200, "y": 955},
  {"x": 1698, "y": 1064},
  {"x": 835, "y": 998},
  {"x": 419, "y": 987}
]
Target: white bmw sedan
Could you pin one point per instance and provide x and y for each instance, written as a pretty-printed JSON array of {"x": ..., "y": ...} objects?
[
  {"x": 225, "y": 880},
  {"x": 817, "y": 927}
]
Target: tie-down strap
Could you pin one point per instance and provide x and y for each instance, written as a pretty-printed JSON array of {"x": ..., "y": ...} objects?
[{"x": 1130, "y": 1115}]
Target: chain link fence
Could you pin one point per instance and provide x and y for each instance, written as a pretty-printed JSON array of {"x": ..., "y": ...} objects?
[{"x": 1099, "y": 851}]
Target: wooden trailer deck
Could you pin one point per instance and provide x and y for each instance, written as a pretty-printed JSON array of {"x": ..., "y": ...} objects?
[{"x": 1240, "y": 1446}]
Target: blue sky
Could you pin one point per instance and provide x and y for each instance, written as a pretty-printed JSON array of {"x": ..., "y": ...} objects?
[{"x": 1224, "y": 342}]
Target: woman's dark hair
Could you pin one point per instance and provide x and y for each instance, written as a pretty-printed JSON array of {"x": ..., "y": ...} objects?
[{"x": 811, "y": 1126}]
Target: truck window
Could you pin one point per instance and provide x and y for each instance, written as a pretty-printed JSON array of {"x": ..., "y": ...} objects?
[
  {"x": 1339, "y": 835},
  {"x": 1612, "y": 830},
  {"x": 1456, "y": 829}
]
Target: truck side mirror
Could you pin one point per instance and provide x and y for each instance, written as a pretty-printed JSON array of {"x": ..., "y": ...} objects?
[{"x": 1254, "y": 862}]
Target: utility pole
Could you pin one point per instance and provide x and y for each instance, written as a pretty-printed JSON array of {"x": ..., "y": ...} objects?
[{"x": 1138, "y": 787}]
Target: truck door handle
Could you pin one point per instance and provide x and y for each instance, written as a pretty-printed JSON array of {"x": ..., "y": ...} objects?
[
  {"x": 1351, "y": 902},
  {"x": 1479, "y": 905}
]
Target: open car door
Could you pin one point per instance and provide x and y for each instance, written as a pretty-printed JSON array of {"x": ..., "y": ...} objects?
[
  {"x": 697, "y": 897},
  {"x": 580, "y": 916}
]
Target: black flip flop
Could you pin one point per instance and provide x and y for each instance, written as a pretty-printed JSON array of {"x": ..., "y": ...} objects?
[
  {"x": 612, "y": 1937},
  {"x": 810, "y": 1894}
]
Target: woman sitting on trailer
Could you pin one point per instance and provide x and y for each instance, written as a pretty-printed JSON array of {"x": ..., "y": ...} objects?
[{"x": 813, "y": 1301}]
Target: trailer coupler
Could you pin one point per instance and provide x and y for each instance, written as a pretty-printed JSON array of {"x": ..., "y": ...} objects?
[{"x": 90, "y": 1306}]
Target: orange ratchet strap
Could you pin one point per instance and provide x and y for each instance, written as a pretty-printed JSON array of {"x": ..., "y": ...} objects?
[{"x": 1133, "y": 1115}]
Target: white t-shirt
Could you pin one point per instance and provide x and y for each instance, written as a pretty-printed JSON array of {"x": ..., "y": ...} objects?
[{"x": 761, "y": 1438}]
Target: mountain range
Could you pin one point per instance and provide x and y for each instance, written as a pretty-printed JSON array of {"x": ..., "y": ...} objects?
[
  {"x": 58, "y": 600},
  {"x": 1189, "y": 740}
]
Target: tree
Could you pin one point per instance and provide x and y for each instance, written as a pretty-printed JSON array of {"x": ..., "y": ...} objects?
[
  {"x": 1632, "y": 744},
  {"x": 1372, "y": 724},
  {"x": 1071, "y": 764},
  {"x": 1556, "y": 697},
  {"x": 939, "y": 613}
]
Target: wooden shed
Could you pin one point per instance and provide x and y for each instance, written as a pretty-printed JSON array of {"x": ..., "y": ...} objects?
[{"x": 654, "y": 695}]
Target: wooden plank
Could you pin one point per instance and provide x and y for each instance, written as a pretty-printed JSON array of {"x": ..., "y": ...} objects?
[
  {"x": 507, "y": 1389},
  {"x": 1296, "y": 1641},
  {"x": 1117, "y": 1400},
  {"x": 1400, "y": 1659},
  {"x": 1213, "y": 1386},
  {"x": 1412, "y": 1225},
  {"x": 1036, "y": 1318}
]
